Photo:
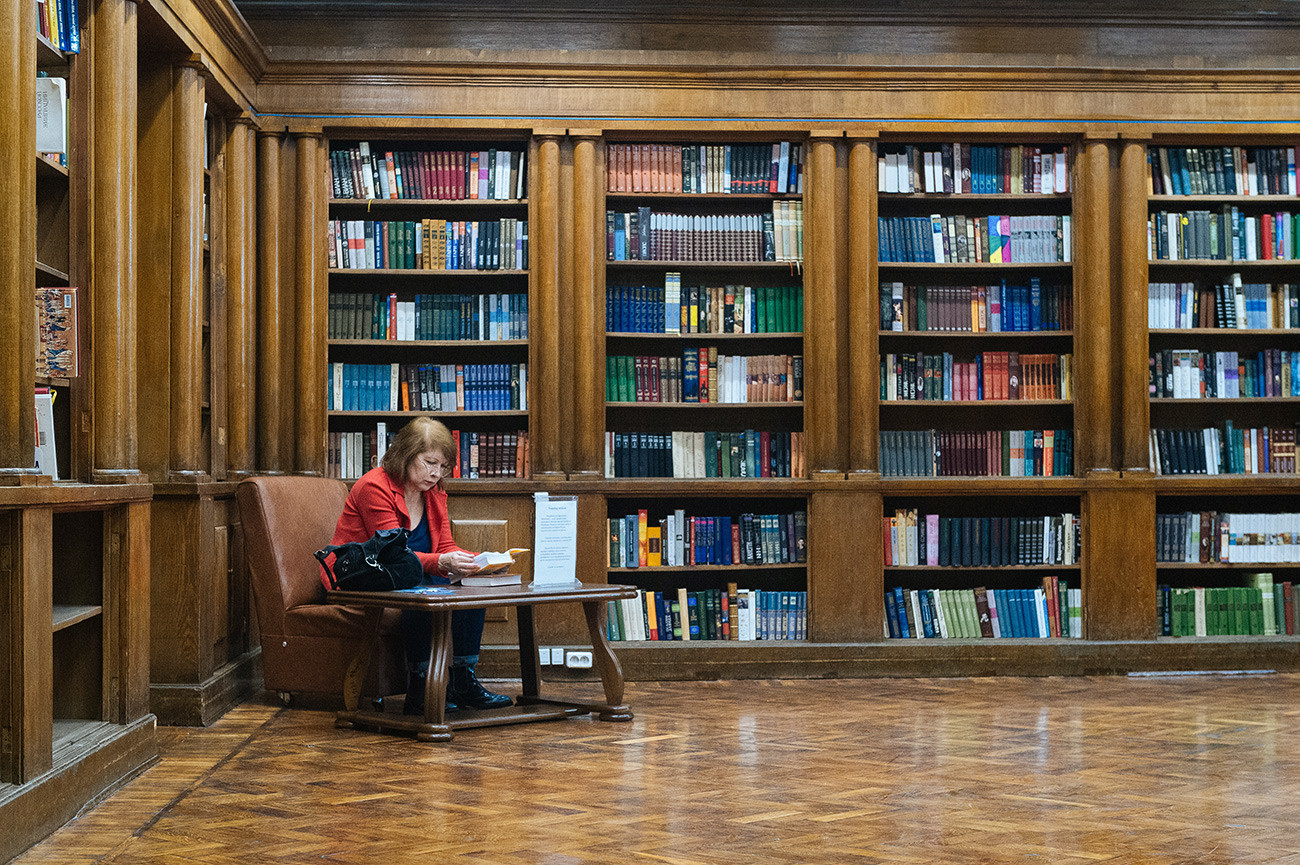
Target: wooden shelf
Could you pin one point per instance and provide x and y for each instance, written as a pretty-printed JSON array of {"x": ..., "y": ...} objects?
[
  {"x": 1268, "y": 263},
  {"x": 430, "y": 343},
  {"x": 47, "y": 54},
  {"x": 976, "y": 196},
  {"x": 1223, "y": 199},
  {"x": 967, "y": 334},
  {"x": 979, "y": 486},
  {"x": 1244, "y": 400},
  {"x": 1223, "y": 566},
  {"x": 647, "y": 264},
  {"x": 953, "y": 403},
  {"x": 394, "y": 203},
  {"x": 703, "y": 487},
  {"x": 705, "y": 405},
  {"x": 699, "y": 569},
  {"x": 46, "y": 275},
  {"x": 1253, "y": 484},
  {"x": 48, "y": 168},
  {"x": 1199, "y": 332},
  {"x": 975, "y": 265},
  {"x": 441, "y": 415},
  {"x": 53, "y": 381},
  {"x": 408, "y": 273},
  {"x": 703, "y": 196},
  {"x": 979, "y": 569},
  {"x": 698, "y": 337},
  {"x": 66, "y": 616}
]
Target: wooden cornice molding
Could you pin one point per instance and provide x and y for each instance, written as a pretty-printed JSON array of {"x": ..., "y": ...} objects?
[{"x": 233, "y": 30}]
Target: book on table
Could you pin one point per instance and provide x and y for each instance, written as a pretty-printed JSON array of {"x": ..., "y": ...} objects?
[{"x": 492, "y": 580}]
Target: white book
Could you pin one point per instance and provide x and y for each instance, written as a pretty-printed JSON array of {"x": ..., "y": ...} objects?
[
  {"x": 46, "y": 454},
  {"x": 936, "y": 236},
  {"x": 394, "y": 379},
  {"x": 679, "y": 536},
  {"x": 1198, "y": 601},
  {"x": 995, "y": 617},
  {"x": 783, "y": 169},
  {"x": 679, "y": 454},
  {"x": 51, "y": 115},
  {"x": 367, "y": 176},
  {"x": 940, "y": 617},
  {"x": 609, "y": 454},
  {"x": 1040, "y": 611},
  {"x": 928, "y": 161},
  {"x": 336, "y": 378},
  {"x": 913, "y": 598},
  {"x": 381, "y": 440},
  {"x": 891, "y": 172}
]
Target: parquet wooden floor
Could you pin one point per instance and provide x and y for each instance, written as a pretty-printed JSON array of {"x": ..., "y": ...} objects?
[{"x": 1076, "y": 770}]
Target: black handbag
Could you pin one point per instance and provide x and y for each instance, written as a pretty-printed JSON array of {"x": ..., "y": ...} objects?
[{"x": 380, "y": 564}]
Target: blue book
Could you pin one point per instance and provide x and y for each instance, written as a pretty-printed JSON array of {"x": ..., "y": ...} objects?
[
  {"x": 1036, "y": 303},
  {"x": 900, "y": 602},
  {"x": 891, "y": 614}
]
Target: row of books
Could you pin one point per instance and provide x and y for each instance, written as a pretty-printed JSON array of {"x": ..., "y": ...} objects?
[
  {"x": 991, "y": 375},
  {"x": 998, "y": 308},
  {"x": 59, "y": 21},
  {"x": 1226, "y": 235},
  {"x": 912, "y": 539},
  {"x": 478, "y": 454},
  {"x": 677, "y": 308},
  {"x": 1262, "y": 609},
  {"x": 428, "y": 387},
  {"x": 492, "y": 316},
  {"x": 637, "y": 541},
  {"x": 1225, "y": 450},
  {"x": 1053, "y": 610},
  {"x": 644, "y": 235},
  {"x": 976, "y": 453},
  {"x": 428, "y": 244},
  {"x": 1234, "y": 538},
  {"x": 1222, "y": 170},
  {"x": 704, "y": 376},
  {"x": 709, "y": 614},
  {"x": 1232, "y": 305},
  {"x": 961, "y": 239},
  {"x": 706, "y": 168},
  {"x": 57, "y": 337},
  {"x": 1188, "y": 373},
  {"x": 455, "y": 175},
  {"x": 694, "y": 454},
  {"x": 974, "y": 168}
]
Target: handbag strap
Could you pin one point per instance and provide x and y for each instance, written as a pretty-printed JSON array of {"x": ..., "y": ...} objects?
[{"x": 321, "y": 556}]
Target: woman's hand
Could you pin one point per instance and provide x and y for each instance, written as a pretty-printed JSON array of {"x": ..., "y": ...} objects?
[{"x": 458, "y": 563}]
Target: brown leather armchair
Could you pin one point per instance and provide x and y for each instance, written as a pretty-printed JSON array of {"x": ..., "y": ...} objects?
[{"x": 306, "y": 643}]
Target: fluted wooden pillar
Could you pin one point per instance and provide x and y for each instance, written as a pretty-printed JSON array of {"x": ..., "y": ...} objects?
[
  {"x": 270, "y": 391},
  {"x": 241, "y": 295},
  {"x": 544, "y": 329},
  {"x": 864, "y": 311},
  {"x": 113, "y": 262},
  {"x": 18, "y": 227},
  {"x": 588, "y": 308},
  {"x": 186, "y": 447},
  {"x": 1094, "y": 414},
  {"x": 821, "y": 314},
  {"x": 1132, "y": 345},
  {"x": 310, "y": 309}
]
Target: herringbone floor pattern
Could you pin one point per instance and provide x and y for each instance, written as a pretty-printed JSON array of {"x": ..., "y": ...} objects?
[{"x": 1061, "y": 771}]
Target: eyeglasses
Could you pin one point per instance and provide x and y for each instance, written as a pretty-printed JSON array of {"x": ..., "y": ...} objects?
[{"x": 436, "y": 466}]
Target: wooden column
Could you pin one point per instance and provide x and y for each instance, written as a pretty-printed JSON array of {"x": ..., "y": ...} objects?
[
  {"x": 544, "y": 262},
  {"x": 112, "y": 222},
  {"x": 864, "y": 311},
  {"x": 186, "y": 448},
  {"x": 821, "y": 313},
  {"x": 268, "y": 372},
  {"x": 27, "y": 663},
  {"x": 588, "y": 307},
  {"x": 1119, "y": 557},
  {"x": 310, "y": 305},
  {"x": 18, "y": 227},
  {"x": 1094, "y": 414},
  {"x": 1132, "y": 345},
  {"x": 241, "y": 308}
]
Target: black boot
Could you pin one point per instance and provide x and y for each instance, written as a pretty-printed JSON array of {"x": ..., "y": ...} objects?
[
  {"x": 466, "y": 690},
  {"x": 414, "y": 705}
]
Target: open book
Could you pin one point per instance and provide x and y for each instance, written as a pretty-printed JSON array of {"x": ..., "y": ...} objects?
[{"x": 490, "y": 563}]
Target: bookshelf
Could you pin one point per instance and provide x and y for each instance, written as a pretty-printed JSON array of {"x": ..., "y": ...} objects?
[
  {"x": 429, "y": 298},
  {"x": 1222, "y": 329},
  {"x": 976, "y": 386}
]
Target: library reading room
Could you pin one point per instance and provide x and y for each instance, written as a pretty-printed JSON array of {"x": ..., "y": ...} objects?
[{"x": 583, "y": 432}]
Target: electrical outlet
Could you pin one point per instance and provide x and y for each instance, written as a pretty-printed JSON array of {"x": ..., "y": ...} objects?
[
  {"x": 578, "y": 660},
  {"x": 544, "y": 656},
  {"x": 557, "y": 656}
]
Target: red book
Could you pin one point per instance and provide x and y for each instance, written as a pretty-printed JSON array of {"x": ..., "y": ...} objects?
[
  {"x": 1288, "y": 605},
  {"x": 889, "y": 552},
  {"x": 765, "y": 454},
  {"x": 735, "y": 549}
]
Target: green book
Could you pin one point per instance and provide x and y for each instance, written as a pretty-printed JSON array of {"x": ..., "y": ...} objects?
[
  {"x": 921, "y": 308},
  {"x": 798, "y": 302}
]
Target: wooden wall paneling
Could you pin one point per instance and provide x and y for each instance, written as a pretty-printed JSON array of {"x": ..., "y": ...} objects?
[
  {"x": 1094, "y": 412},
  {"x": 187, "y": 288},
  {"x": 310, "y": 308},
  {"x": 544, "y": 260},
  {"x": 113, "y": 221},
  {"x": 480, "y": 522},
  {"x": 1119, "y": 560},
  {"x": 269, "y": 371},
  {"x": 845, "y": 568},
  {"x": 823, "y": 315},
  {"x": 588, "y": 305},
  {"x": 289, "y": 323},
  {"x": 26, "y": 569},
  {"x": 240, "y": 238},
  {"x": 80, "y": 194},
  {"x": 567, "y": 331},
  {"x": 18, "y": 226},
  {"x": 126, "y": 611},
  {"x": 220, "y": 142},
  {"x": 863, "y": 345},
  {"x": 156, "y": 137},
  {"x": 1132, "y": 344},
  {"x": 182, "y": 558}
]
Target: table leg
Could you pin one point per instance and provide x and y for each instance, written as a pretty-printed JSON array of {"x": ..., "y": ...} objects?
[
  {"x": 355, "y": 676},
  {"x": 611, "y": 673},
  {"x": 435, "y": 727},
  {"x": 529, "y": 665}
]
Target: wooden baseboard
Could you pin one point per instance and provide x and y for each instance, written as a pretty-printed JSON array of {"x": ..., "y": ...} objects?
[
  {"x": 198, "y": 704},
  {"x": 31, "y": 811}
]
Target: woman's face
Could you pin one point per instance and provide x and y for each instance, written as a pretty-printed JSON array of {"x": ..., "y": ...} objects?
[{"x": 427, "y": 471}]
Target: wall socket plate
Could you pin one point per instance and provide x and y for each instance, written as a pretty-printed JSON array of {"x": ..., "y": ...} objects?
[
  {"x": 557, "y": 655},
  {"x": 578, "y": 660}
]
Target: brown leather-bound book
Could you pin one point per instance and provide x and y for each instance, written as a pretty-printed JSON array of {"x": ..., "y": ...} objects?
[{"x": 982, "y": 609}]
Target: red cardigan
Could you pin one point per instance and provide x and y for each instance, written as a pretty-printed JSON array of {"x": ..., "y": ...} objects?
[{"x": 378, "y": 502}]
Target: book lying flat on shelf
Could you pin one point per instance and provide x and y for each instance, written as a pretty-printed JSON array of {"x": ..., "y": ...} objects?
[
  {"x": 493, "y": 580},
  {"x": 491, "y": 563}
]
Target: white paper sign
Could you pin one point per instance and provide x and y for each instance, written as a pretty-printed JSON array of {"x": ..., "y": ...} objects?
[{"x": 555, "y": 543}]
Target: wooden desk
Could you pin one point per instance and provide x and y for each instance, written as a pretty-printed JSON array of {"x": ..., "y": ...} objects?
[{"x": 437, "y": 725}]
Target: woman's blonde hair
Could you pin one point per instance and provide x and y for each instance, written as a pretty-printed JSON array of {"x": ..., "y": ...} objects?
[{"x": 421, "y": 435}]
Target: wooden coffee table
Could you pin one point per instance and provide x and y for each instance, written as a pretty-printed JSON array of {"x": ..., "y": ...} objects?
[{"x": 437, "y": 725}]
